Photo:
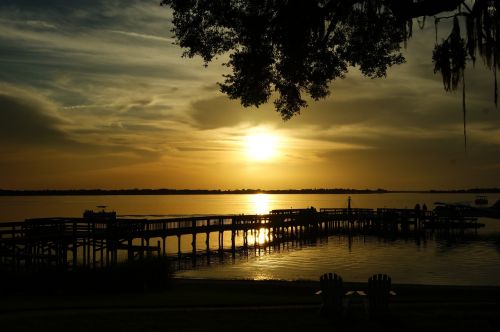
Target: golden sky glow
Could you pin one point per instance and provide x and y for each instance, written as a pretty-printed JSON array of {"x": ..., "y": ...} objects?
[{"x": 89, "y": 100}]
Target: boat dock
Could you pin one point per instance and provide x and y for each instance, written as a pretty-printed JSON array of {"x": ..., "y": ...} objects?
[{"x": 102, "y": 239}]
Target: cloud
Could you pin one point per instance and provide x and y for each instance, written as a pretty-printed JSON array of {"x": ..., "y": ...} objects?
[
  {"x": 26, "y": 118},
  {"x": 202, "y": 149},
  {"x": 220, "y": 111},
  {"x": 34, "y": 133},
  {"x": 142, "y": 35},
  {"x": 107, "y": 92},
  {"x": 41, "y": 24}
]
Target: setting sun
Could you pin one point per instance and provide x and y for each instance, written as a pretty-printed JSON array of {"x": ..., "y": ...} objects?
[{"x": 261, "y": 147}]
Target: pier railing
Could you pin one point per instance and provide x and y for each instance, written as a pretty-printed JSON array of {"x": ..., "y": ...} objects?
[{"x": 91, "y": 242}]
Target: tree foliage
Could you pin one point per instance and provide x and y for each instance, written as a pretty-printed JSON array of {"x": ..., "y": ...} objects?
[{"x": 290, "y": 49}]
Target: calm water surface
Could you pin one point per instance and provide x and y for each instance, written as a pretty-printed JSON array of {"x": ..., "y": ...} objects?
[{"x": 472, "y": 258}]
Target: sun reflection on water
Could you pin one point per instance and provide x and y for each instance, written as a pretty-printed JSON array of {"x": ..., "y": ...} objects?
[
  {"x": 260, "y": 203},
  {"x": 263, "y": 276},
  {"x": 259, "y": 237},
  {"x": 262, "y": 236}
]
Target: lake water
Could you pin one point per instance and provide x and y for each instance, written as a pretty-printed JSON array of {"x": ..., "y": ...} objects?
[{"x": 471, "y": 258}]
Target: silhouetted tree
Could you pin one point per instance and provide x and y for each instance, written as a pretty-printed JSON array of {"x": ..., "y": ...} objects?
[
  {"x": 299, "y": 47},
  {"x": 482, "y": 26}
]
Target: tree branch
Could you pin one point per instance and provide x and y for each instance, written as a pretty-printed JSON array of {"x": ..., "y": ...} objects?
[{"x": 407, "y": 9}]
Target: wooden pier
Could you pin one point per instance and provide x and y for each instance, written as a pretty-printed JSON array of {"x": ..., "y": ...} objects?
[{"x": 97, "y": 242}]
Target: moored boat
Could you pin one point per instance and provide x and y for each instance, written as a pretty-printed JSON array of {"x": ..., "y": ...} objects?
[{"x": 481, "y": 200}]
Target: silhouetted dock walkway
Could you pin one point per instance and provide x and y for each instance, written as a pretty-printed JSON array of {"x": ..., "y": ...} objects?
[{"x": 101, "y": 241}]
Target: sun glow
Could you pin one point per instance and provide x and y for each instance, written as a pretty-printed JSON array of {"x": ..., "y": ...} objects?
[
  {"x": 261, "y": 237},
  {"x": 260, "y": 203},
  {"x": 261, "y": 147}
]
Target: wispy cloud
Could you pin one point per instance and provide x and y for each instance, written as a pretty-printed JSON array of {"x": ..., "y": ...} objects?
[
  {"x": 142, "y": 35},
  {"x": 98, "y": 94}
]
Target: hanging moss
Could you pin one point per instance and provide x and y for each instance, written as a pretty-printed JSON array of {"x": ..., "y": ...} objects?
[{"x": 449, "y": 59}]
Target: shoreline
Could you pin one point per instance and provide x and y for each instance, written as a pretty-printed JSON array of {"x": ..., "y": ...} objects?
[{"x": 190, "y": 292}]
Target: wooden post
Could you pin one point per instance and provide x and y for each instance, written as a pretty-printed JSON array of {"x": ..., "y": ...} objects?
[
  {"x": 84, "y": 258},
  {"x": 207, "y": 242},
  {"x": 179, "y": 245},
  {"x": 115, "y": 252},
  {"x": 245, "y": 239},
  {"x": 75, "y": 246},
  {"x": 102, "y": 252},
  {"x": 221, "y": 241},
  {"x": 88, "y": 243},
  {"x": 142, "y": 246},
  {"x": 93, "y": 247},
  {"x": 233, "y": 242},
  {"x": 107, "y": 250},
  {"x": 193, "y": 244},
  {"x": 130, "y": 250}
]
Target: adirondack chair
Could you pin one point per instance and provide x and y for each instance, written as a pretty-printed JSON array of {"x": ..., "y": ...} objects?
[
  {"x": 379, "y": 290},
  {"x": 332, "y": 293}
]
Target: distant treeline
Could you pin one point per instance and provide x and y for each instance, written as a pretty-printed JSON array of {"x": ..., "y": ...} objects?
[
  {"x": 467, "y": 191},
  {"x": 96, "y": 192}
]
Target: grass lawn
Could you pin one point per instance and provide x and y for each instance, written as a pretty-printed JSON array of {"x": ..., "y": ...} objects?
[{"x": 224, "y": 305}]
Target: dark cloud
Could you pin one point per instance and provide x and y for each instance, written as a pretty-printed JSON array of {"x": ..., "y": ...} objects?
[
  {"x": 95, "y": 42},
  {"x": 29, "y": 121},
  {"x": 24, "y": 119},
  {"x": 88, "y": 13}
]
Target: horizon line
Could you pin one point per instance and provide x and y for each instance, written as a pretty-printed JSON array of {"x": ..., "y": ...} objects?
[{"x": 172, "y": 191}]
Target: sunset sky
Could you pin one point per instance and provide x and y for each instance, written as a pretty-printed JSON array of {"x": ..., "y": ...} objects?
[{"x": 94, "y": 94}]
